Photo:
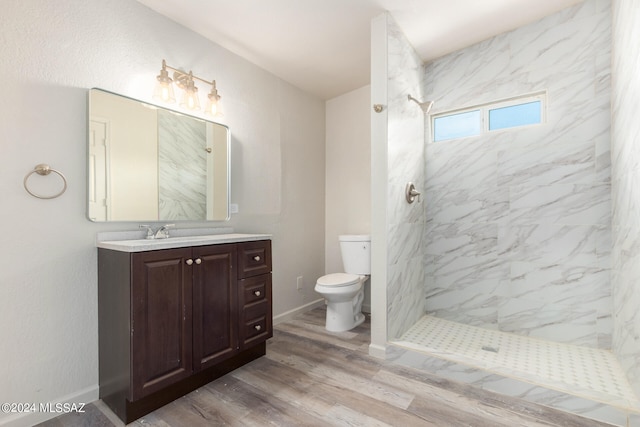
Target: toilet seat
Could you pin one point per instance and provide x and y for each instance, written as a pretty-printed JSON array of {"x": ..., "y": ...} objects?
[{"x": 336, "y": 280}]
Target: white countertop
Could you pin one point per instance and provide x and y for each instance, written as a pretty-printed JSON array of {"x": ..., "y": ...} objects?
[{"x": 141, "y": 245}]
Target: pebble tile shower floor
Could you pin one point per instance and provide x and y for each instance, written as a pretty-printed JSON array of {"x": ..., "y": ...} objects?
[{"x": 581, "y": 371}]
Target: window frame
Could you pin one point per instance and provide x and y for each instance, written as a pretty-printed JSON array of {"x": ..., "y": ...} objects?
[{"x": 484, "y": 114}]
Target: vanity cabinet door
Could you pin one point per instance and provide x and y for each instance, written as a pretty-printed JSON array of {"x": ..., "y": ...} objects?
[
  {"x": 161, "y": 325},
  {"x": 214, "y": 304}
]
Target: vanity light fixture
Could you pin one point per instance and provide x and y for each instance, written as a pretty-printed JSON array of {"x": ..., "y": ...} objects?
[{"x": 186, "y": 81}]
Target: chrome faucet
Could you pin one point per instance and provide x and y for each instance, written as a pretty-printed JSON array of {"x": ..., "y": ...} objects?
[
  {"x": 160, "y": 233},
  {"x": 149, "y": 230},
  {"x": 163, "y": 232}
]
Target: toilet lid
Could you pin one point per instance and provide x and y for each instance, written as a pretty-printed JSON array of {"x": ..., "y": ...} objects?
[{"x": 338, "y": 279}]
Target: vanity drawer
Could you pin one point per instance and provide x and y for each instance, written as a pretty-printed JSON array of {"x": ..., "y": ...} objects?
[
  {"x": 254, "y": 289},
  {"x": 256, "y": 324},
  {"x": 254, "y": 258}
]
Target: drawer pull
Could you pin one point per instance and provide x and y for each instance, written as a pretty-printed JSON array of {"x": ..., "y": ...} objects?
[
  {"x": 257, "y": 328},
  {"x": 256, "y": 258},
  {"x": 257, "y": 293},
  {"x": 189, "y": 261},
  {"x": 198, "y": 261}
]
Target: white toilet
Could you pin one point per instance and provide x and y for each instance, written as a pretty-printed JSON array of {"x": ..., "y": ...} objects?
[{"x": 344, "y": 292}]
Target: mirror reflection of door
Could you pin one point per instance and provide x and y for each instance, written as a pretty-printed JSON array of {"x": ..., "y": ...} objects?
[
  {"x": 131, "y": 165},
  {"x": 98, "y": 169}
]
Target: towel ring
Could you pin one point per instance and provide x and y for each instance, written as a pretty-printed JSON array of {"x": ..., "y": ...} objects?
[{"x": 44, "y": 169}]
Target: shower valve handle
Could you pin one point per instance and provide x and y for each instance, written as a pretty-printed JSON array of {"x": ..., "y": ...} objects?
[{"x": 411, "y": 193}]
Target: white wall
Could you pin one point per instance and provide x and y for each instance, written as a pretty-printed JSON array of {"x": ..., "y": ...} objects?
[
  {"x": 52, "y": 52},
  {"x": 348, "y": 174},
  {"x": 625, "y": 157}
]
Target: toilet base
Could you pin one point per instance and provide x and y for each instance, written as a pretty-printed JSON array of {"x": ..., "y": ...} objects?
[
  {"x": 359, "y": 319},
  {"x": 345, "y": 315}
]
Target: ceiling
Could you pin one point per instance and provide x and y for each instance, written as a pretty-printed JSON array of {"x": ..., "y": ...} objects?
[{"x": 323, "y": 46}]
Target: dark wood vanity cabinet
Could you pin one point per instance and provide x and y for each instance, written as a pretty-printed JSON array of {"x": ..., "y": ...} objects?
[{"x": 172, "y": 320}]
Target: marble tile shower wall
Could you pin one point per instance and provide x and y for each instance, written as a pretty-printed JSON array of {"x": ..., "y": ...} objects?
[
  {"x": 518, "y": 228},
  {"x": 626, "y": 191},
  {"x": 405, "y": 157},
  {"x": 181, "y": 190}
]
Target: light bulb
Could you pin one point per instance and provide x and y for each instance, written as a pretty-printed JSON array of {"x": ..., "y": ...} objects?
[
  {"x": 213, "y": 104},
  {"x": 191, "y": 103},
  {"x": 190, "y": 99},
  {"x": 165, "y": 93}
]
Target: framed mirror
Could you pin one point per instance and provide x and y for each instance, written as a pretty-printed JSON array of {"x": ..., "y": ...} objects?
[{"x": 147, "y": 163}]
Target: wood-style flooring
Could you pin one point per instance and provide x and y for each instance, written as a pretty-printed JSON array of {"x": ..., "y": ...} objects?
[{"x": 311, "y": 377}]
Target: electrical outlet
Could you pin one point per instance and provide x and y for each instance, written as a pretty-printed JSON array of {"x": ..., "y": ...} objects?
[
  {"x": 233, "y": 208},
  {"x": 299, "y": 283}
]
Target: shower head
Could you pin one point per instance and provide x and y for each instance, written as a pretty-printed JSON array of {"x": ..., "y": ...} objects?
[{"x": 425, "y": 106}]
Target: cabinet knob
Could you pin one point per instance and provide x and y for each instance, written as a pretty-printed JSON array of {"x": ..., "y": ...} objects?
[
  {"x": 189, "y": 261},
  {"x": 257, "y": 293},
  {"x": 256, "y": 258},
  {"x": 257, "y": 327},
  {"x": 198, "y": 261}
]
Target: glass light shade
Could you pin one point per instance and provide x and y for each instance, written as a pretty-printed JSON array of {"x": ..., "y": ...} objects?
[
  {"x": 190, "y": 99},
  {"x": 164, "y": 87},
  {"x": 214, "y": 107},
  {"x": 164, "y": 92}
]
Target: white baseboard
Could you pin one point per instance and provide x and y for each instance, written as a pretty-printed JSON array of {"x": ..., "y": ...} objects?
[
  {"x": 27, "y": 419},
  {"x": 288, "y": 315},
  {"x": 378, "y": 351}
]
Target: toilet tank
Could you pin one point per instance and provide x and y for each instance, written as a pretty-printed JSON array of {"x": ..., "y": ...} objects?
[{"x": 356, "y": 253}]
